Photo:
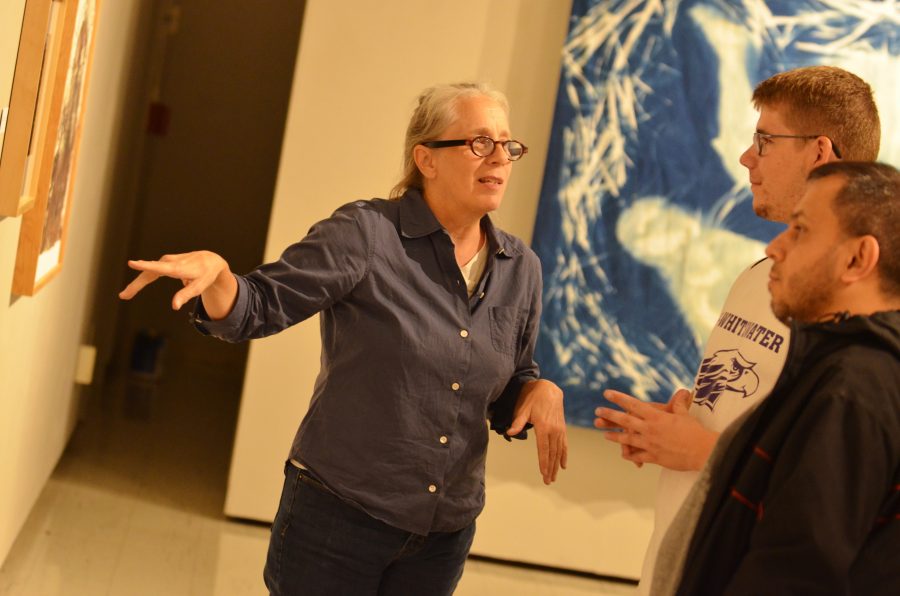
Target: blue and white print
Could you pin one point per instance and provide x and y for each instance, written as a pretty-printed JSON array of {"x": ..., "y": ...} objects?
[{"x": 645, "y": 214}]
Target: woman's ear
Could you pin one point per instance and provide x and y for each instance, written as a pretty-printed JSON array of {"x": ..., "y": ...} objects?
[
  {"x": 863, "y": 260},
  {"x": 425, "y": 161}
]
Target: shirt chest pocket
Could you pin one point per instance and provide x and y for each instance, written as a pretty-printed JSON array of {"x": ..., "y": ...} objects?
[{"x": 506, "y": 326}]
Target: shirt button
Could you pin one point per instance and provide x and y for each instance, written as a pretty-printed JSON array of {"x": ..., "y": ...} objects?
[
  {"x": 463, "y": 333},
  {"x": 455, "y": 386},
  {"x": 432, "y": 488},
  {"x": 443, "y": 440}
]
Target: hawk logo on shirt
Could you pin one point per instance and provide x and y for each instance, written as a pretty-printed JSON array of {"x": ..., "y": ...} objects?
[{"x": 724, "y": 371}]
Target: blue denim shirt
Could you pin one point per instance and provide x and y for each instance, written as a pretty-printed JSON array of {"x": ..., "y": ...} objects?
[{"x": 411, "y": 366}]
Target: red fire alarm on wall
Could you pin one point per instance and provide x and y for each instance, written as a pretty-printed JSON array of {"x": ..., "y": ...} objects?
[{"x": 159, "y": 116}]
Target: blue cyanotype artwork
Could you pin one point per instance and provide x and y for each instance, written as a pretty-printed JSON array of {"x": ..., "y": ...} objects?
[{"x": 645, "y": 214}]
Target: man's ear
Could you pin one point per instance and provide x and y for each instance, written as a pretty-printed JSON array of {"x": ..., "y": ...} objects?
[
  {"x": 424, "y": 161},
  {"x": 824, "y": 151},
  {"x": 863, "y": 260}
]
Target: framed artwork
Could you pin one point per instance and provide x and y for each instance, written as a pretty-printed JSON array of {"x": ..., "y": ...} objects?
[
  {"x": 56, "y": 134},
  {"x": 16, "y": 148},
  {"x": 645, "y": 216}
]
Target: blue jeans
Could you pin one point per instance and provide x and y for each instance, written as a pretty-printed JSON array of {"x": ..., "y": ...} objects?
[{"x": 322, "y": 546}]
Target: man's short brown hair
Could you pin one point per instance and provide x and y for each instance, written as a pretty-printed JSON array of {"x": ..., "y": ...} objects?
[
  {"x": 826, "y": 100},
  {"x": 868, "y": 204}
]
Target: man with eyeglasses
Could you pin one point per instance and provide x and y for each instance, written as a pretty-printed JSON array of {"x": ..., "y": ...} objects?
[{"x": 807, "y": 117}]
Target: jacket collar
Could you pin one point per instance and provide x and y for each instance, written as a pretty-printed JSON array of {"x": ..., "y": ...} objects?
[{"x": 879, "y": 328}]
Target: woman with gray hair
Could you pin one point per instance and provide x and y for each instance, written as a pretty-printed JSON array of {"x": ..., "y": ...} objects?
[{"x": 429, "y": 316}]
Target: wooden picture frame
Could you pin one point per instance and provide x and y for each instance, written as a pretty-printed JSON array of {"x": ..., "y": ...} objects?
[
  {"x": 16, "y": 148},
  {"x": 49, "y": 178}
]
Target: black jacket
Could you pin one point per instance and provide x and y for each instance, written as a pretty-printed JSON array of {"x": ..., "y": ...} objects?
[{"x": 807, "y": 497}]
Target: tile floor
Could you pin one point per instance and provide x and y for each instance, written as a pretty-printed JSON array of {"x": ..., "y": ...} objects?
[{"x": 134, "y": 507}]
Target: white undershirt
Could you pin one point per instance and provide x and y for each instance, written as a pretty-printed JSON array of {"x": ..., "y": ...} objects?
[{"x": 472, "y": 270}]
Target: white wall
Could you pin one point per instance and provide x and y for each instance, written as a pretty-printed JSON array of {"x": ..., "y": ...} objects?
[
  {"x": 39, "y": 336},
  {"x": 360, "y": 67}
]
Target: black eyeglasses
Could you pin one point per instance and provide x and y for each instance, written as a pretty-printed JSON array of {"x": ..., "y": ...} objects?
[
  {"x": 483, "y": 146},
  {"x": 759, "y": 137}
]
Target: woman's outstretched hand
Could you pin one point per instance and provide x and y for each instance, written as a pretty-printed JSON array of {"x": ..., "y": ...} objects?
[{"x": 203, "y": 273}]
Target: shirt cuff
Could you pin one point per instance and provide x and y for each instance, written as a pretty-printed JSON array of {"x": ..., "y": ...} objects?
[
  {"x": 226, "y": 329},
  {"x": 502, "y": 409}
]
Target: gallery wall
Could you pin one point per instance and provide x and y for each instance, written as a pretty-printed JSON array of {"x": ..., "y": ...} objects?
[
  {"x": 358, "y": 72},
  {"x": 39, "y": 336}
]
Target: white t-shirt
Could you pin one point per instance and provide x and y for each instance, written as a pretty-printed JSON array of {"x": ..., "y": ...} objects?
[
  {"x": 472, "y": 270},
  {"x": 742, "y": 360}
]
